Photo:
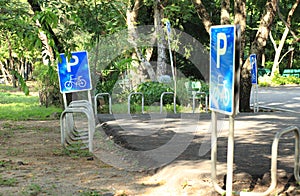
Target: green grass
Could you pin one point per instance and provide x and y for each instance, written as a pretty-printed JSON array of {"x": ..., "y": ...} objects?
[
  {"x": 8, "y": 181},
  {"x": 17, "y": 106}
]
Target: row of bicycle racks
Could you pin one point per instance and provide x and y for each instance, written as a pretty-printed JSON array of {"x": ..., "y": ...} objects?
[
  {"x": 72, "y": 131},
  {"x": 79, "y": 131}
]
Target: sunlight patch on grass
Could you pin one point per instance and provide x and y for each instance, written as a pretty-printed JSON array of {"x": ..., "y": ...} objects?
[{"x": 21, "y": 107}]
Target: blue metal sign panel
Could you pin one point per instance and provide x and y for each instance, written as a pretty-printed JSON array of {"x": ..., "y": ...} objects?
[
  {"x": 74, "y": 75},
  {"x": 253, "y": 68},
  {"x": 222, "y": 68},
  {"x": 168, "y": 24}
]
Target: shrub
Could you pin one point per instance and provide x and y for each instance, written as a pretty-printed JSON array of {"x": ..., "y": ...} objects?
[
  {"x": 152, "y": 92},
  {"x": 265, "y": 80},
  {"x": 277, "y": 79}
]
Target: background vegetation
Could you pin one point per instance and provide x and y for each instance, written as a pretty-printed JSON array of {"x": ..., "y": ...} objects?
[{"x": 34, "y": 32}]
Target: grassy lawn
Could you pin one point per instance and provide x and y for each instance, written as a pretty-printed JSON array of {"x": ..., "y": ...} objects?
[{"x": 14, "y": 105}]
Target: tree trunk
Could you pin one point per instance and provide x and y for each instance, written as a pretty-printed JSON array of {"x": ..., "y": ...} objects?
[
  {"x": 240, "y": 19},
  {"x": 225, "y": 12},
  {"x": 136, "y": 70},
  {"x": 12, "y": 67},
  {"x": 257, "y": 47},
  {"x": 161, "y": 68},
  {"x": 278, "y": 49},
  {"x": 290, "y": 62},
  {"x": 203, "y": 14},
  {"x": 5, "y": 73}
]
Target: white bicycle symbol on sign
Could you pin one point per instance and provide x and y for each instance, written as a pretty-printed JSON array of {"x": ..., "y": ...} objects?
[
  {"x": 221, "y": 92},
  {"x": 79, "y": 81}
]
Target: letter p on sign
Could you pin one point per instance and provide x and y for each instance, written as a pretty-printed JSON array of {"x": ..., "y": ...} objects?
[
  {"x": 221, "y": 50},
  {"x": 69, "y": 64}
]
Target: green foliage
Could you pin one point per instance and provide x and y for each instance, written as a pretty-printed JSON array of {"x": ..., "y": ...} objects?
[
  {"x": 78, "y": 25},
  {"x": 22, "y": 83},
  {"x": 45, "y": 74},
  {"x": 204, "y": 87},
  {"x": 152, "y": 92},
  {"x": 110, "y": 75},
  {"x": 265, "y": 81},
  {"x": 280, "y": 80},
  {"x": 184, "y": 92},
  {"x": 170, "y": 108},
  {"x": 277, "y": 79},
  {"x": 48, "y": 83}
]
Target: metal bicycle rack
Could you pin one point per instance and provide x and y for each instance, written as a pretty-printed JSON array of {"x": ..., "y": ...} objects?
[
  {"x": 109, "y": 102},
  {"x": 69, "y": 133},
  {"x": 273, "y": 164},
  {"x": 161, "y": 100},
  {"x": 129, "y": 98},
  {"x": 194, "y": 97},
  {"x": 274, "y": 161}
]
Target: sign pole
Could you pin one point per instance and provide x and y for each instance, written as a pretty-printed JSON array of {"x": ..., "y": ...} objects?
[
  {"x": 224, "y": 91},
  {"x": 65, "y": 100},
  {"x": 172, "y": 66},
  {"x": 256, "y": 98},
  {"x": 230, "y": 156},
  {"x": 90, "y": 97},
  {"x": 214, "y": 147}
]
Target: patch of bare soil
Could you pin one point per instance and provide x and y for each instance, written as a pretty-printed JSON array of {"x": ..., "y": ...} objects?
[{"x": 33, "y": 162}]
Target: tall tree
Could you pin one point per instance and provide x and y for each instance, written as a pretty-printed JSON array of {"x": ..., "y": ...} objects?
[{"x": 278, "y": 48}]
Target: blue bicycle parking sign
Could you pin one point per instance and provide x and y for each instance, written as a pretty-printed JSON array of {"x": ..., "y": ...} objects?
[
  {"x": 253, "y": 68},
  {"x": 74, "y": 75},
  {"x": 168, "y": 24},
  {"x": 222, "y": 68}
]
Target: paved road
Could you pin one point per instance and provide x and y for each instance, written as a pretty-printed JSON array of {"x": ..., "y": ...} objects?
[{"x": 282, "y": 98}]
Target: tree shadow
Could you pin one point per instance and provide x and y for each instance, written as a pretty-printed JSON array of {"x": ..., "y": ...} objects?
[{"x": 254, "y": 134}]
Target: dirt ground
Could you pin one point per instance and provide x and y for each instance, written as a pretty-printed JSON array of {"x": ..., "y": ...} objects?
[{"x": 32, "y": 162}]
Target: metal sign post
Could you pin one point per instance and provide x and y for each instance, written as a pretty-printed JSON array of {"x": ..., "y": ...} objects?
[
  {"x": 224, "y": 91},
  {"x": 74, "y": 75},
  {"x": 168, "y": 25},
  {"x": 254, "y": 91}
]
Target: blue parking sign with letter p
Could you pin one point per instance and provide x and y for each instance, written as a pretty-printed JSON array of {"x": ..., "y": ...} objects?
[
  {"x": 74, "y": 75},
  {"x": 222, "y": 68},
  {"x": 253, "y": 63}
]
